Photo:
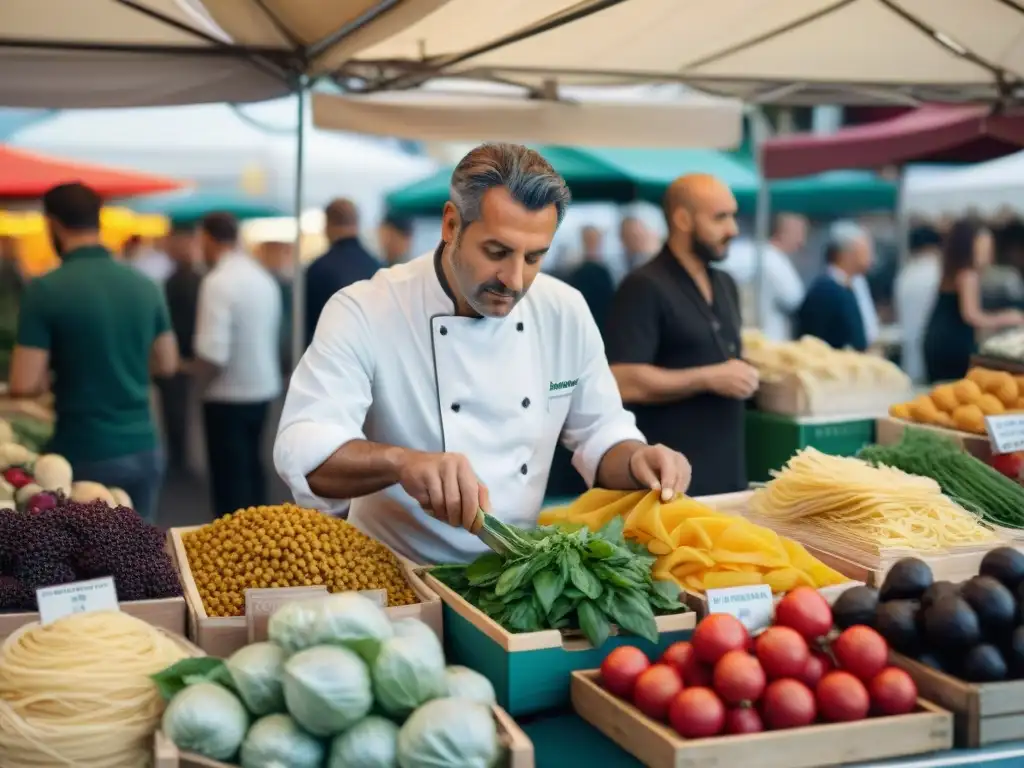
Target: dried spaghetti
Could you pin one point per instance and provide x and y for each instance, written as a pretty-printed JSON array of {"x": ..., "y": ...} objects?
[
  {"x": 77, "y": 692},
  {"x": 878, "y": 508}
]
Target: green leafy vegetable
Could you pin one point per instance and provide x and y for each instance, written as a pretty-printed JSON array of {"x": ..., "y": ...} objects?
[
  {"x": 567, "y": 578},
  {"x": 178, "y": 676}
]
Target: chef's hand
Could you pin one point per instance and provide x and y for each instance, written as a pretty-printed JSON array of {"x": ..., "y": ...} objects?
[
  {"x": 734, "y": 378},
  {"x": 446, "y": 487},
  {"x": 660, "y": 468}
]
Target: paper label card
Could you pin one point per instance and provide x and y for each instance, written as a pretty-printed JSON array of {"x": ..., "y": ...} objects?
[
  {"x": 753, "y": 605},
  {"x": 1006, "y": 432},
  {"x": 77, "y": 597},
  {"x": 261, "y": 604}
]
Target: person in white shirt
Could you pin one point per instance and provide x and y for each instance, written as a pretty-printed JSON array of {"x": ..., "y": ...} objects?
[
  {"x": 782, "y": 291},
  {"x": 441, "y": 386},
  {"x": 917, "y": 285},
  {"x": 236, "y": 351}
]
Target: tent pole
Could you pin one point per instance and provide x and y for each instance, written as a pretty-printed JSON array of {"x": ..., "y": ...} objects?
[
  {"x": 762, "y": 216},
  {"x": 298, "y": 279}
]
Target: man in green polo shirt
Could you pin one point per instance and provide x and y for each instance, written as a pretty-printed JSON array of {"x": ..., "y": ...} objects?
[{"x": 100, "y": 328}]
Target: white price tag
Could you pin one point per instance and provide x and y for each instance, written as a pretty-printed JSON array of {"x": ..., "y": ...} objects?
[
  {"x": 78, "y": 597},
  {"x": 1006, "y": 432},
  {"x": 752, "y": 605}
]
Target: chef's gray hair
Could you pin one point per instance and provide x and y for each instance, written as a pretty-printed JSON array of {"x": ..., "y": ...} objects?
[{"x": 528, "y": 177}]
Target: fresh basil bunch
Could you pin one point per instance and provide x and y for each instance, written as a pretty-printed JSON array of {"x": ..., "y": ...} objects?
[{"x": 567, "y": 577}]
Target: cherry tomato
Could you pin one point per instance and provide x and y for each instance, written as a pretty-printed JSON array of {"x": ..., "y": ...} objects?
[{"x": 621, "y": 668}]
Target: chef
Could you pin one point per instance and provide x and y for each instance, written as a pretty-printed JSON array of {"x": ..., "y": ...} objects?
[{"x": 442, "y": 385}]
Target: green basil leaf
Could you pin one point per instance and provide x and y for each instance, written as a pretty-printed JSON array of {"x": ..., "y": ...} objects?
[
  {"x": 613, "y": 530},
  {"x": 486, "y": 569},
  {"x": 593, "y": 623},
  {"x": 665, "y": 590},
  {"x": 615, "y": 576},
  {"x": 572, "y": 593},
  {"x": 548, "y": 585},
  {"x": 634, "y": 615},
  {"x": 599, "y": 549},
  {"x": 178, "y": 676},
  {"x": 585, "y": 581},
  {"x": 511, "y": 578},
  {"x": 562, "y": 608},
  {"x": 522, "y": 616}
]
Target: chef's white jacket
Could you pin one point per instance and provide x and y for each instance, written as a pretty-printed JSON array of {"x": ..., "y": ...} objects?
[{"x": 391, "y": 363}]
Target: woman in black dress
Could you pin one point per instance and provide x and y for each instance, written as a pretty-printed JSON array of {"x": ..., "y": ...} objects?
[{"x": 950, "y": 339}]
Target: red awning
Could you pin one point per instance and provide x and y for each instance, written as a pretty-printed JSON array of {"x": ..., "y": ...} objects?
[
  {"x": 933, "y": 134},
  {"x": 28, "y": 175}
]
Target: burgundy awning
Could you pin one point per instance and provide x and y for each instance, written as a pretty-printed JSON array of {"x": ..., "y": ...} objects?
[{"x": 934, "y": 134}]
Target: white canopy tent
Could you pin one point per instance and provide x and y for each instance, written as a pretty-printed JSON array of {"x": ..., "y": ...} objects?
[
  {"x": 985, "y": 188},
  {"x": 225, "y": 148}
]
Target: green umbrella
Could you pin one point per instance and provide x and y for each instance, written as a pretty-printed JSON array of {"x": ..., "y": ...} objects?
[
  {"x": 189, "y": 207},
  {"x": 628, "y": 175}
]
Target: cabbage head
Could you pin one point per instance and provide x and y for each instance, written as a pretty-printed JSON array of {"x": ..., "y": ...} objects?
[
  {"x": 418, "y": 631},
  {"x": 466, "y": 683},
  {"x": 351, "y": 620},
  {"x": 291, "y": 625},
  {"x": 206, "y": 718},
  {"x": 256, "y": 672},
  {"x": 327, "y": 689},
  {"x": 449, "y": 733},
  {"x": 406, "y": 674},
  {"x": 275, "y": 741},
  {"x": 370, "y": 743}
]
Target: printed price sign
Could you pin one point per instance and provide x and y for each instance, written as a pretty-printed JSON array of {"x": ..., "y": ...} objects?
[
  {"x": 752, "y": 605},
  {"x": 1006, "y": 432},
  {"x": 78, "y": 597},
  {"x": 261, "y": 604}
]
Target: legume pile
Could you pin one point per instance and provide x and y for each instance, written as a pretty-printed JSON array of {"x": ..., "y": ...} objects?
[{"x": 287, "y": 546}]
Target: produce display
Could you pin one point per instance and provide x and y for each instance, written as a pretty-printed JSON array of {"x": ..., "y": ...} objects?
[
  {"x": 791, "y": 675},
  {"x": 976, "y": 485},
  {"x": 1008, "y": 345},
  {"x": 287, "y": 546},
  {"x": 30, "y": 433},
  {"x": 833, "y": 501},
  {"x": 567, "y": 579},
  {"x": 699, "y": 548},
  {"x": 78, "y": 692},
  {"x": 969, "y": 630},
  {"x": 964, "y": 404},
  {"x": 336, "y": 685},
  {"x": 29, "y": 482},
  {"x": 72, "y": 541},
  {"x": 816, "y": 363}
]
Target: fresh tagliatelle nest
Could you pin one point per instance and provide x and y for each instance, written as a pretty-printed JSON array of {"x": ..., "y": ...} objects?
[{"x": 836, "y": 502}]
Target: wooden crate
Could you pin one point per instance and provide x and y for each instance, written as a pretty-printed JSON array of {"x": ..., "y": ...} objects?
[
  {"x": 929, "y": 729},
  {"x": 985, "y": 713},
  {"x": 889, "y": 431},
  {"x": 516, "y": 747},
  {"x": 530, "y": 670},
  {"x": 169, "y": 613},
  {"x": 789, "y": 397},
  {"x": 223, "y": 636}
]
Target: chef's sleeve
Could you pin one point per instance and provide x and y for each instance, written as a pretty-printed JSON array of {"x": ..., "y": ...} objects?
[
  {"x": 212, "y": 341},
  {"x": 633, "y": 328},
  {"x": 328, "y": 396},
  {"x": 597, "y": 419}
]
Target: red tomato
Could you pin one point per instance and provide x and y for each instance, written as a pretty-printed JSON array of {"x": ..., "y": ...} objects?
[
  {"x": 806, "y": 611},
  {"x": 787, "y": 704},
  {"x": 842, "y": 698},
  {"x": 655, "y": 689},
  {"x": 893, "y": 692},
  {"x": 739, "y": 677},
  {"x": 697, "y": 713},
  {"x": 817, "y": 665},
  {"x": 861, "y": 651},
  {"x": 782, "y": 652},
  {"x": 17, "y": 477},
  {"x": 1008, "y": 464},
  {"x": 621, "y": 668},
  {"x": 718, "y": 634},
  {"x": 679, "y": 655},
  {"x": 743, "y": 720}
]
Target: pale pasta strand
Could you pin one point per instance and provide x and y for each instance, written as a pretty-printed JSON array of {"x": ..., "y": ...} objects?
[
  {"x": 877, "y": 507},
  {"x": 78, "y": 692}
]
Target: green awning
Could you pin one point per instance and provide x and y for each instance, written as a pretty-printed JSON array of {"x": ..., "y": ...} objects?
[
  {"x": 189, "y": 207},
  {"x": 630, "y": 175}
]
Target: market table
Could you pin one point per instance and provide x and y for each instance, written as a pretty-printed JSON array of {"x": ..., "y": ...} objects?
[{"x": 555, "y": 736}]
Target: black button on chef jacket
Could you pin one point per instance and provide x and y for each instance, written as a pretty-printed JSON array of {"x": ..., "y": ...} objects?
[{"x": 660, "y": 318}]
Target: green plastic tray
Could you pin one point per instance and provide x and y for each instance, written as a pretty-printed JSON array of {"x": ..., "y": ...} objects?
[{"x": 773, "y": 439}]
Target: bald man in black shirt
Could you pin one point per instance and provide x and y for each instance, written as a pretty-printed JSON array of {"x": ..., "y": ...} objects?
[{"x": 673, "y": 339}]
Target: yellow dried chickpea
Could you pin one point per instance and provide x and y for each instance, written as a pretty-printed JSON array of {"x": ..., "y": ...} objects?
[{"x": 287, "y": 546}]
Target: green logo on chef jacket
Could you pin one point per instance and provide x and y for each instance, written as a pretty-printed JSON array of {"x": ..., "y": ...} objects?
[{"x": 558, "y": 386}]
